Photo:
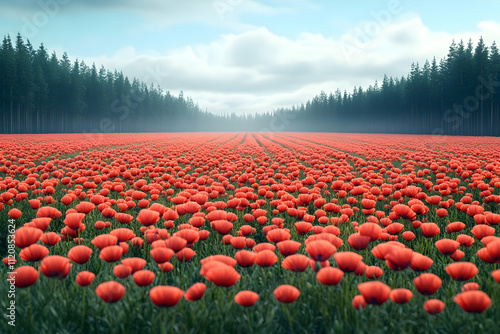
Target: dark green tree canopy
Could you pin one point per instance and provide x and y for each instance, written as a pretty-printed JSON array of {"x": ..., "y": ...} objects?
[{"x": 42, "y": 93}]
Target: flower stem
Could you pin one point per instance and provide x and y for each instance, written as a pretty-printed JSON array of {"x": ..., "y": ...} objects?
[{"x": 83, "y": 310}]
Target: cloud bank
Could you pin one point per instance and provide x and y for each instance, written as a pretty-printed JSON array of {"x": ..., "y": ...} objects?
[{"x": 257, "y": 70}]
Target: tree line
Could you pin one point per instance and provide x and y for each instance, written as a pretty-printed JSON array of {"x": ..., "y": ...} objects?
[
  {"x": 457, "y": 95},
  {"x": 42, "y": 93}
]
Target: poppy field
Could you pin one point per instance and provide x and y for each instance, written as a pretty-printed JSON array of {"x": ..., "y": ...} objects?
[{"x": 249, "y": 233}]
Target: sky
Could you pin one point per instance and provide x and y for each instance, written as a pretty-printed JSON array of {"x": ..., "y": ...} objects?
[{"x": 252, "y": 56}]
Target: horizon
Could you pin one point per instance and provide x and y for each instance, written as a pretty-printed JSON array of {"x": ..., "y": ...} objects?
[{"x": 244, "y": 57}]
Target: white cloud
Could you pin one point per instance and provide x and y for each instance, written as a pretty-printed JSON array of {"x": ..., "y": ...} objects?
[{"x": 257, "y": 70}]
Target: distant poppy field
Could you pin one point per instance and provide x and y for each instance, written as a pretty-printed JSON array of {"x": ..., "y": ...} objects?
[{"x": 249, "y": 233}]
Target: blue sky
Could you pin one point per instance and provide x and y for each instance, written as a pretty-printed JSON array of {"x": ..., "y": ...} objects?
[{"x": 249, "y": 56}]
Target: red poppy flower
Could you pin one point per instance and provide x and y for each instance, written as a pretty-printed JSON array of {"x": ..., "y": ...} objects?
[
  {"x": 9, "y": 260},
  {"x": 496, "y": 275},
  {"x": 33, "y": 253},
  {"x": 408, "y": 235},
  {"x": 161, "y": 254},
  {"x": 216, "y": 215},
  {"x": 486, "y": 240},
  {"x": 165, "y": 296},
  {"x": 403, "y": 211},
  {"x": 399, "y": 259},
  {"x": 48, "y": 211},
  {"x": 433, "y": 306},
  {"x": 84, "y": 278},
  {"x": 74, "y": 220},
  {"x": 329, "y": 276},
  {"x": 473, "y": 301},
  {"x": 123, "y": 218},
  {"x": 374, "y": 292},
  {"x": 373, "y": 272},
  {"x": 266, "y": 258},
  {"x": 122, "y": 271},
  {"x": 40, "y": 223},
  {"x": 427, "y": 283},
  {"x": 481, "y": 231},
  {"x": 278, "y": 235},
  {"x": 455, "y": 227},
  {"x": 465, "y": 240},
  {"x": 263, "y": 246},
  {"x": 470, "y": 286},
  {"x": 204, "y": 235},
  {"x": 100, "y": 225},
  {"x": 358, "y": 302},
  {"x": 245, "y": 258},
  {"x": 195, "y": 292},
  {"x": 359, "y": 241},
  {"x": 148, "y": 217},
  {"x": 110, "y": 292},
  {"x": 429, "y": 230},
  {"x": 381, "y": 250},
  {"x": 103, "y": 240},
  {"x": 238, "y": 242},
  {"x": 197, "y": 221},
  {"x": 190, "y": 235},
  {"x": 288, "y": 247},
  {"x": 320, "y": 250},
  {"x": 401, "y": 296},
  {"x": 50, "y": 238},
  {"x": 123, "y": 234},
  {"x": 286, "y": 293},
  {"x": 347, "y": 261},
  {"x": 223, "y": 227},
  {"x": 296, "y": 262},
  {"x": 136, "y": 263},
  {"x": 246, "y": 298},
  {"x": 185, "y": 254},
  {"x": 223, "y": 275},
  {"x": 166, "y": 266},
  {"x": 23, "y": 276},
  {"x": 227, "y": 239},
  {"x": 55, "y": 266},
  {"x": 249, "y": 243},
  {"x": 34, "y": 203},
  {"x": 447, "y": 246},
  {"x": 394, "y": 228},
  {"x": 303, "y": 227},
  {"x": 484, "y": 255},
  {"x": 461, "y": 271},
  {"x": 26, "y": 236},
  {"x": 111, "y": 253},
  {"x": 420, "y": 262},
  {"x": 143, "y": 277},
  {"x": 474, "y": 210},
  {"x": 493, "y": 248},
  {"x": 220, "y": 258},
  {"x": 175, "y": 243},
  {"x": 79, "y": 254}
]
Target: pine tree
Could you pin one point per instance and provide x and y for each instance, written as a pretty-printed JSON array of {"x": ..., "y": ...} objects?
[{"x": 8, "y": 70}]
